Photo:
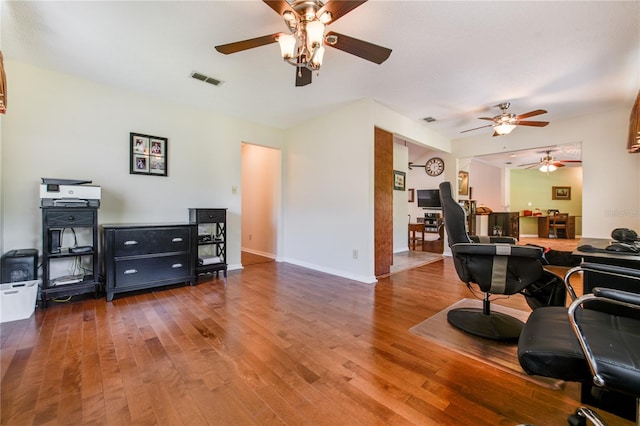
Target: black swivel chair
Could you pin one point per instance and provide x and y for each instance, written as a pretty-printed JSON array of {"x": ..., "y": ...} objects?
[
  {"x": 586, "y": 345},
  {"x": 497, "y": 266}
]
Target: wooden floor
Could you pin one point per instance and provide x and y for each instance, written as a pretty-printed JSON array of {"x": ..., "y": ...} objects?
[{"x": 273, "y": 344}]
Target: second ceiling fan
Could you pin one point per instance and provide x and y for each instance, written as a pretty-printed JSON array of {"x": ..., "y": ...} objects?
[
  {"x": 303, "y": 47},
  {"x": 505, "y": 122},
  {"x": 548, "y": 163}
]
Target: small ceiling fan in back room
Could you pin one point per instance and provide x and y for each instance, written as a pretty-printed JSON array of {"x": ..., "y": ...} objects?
[
  {"x": 504, "y": 123},
  {"x": 548, "y": 163},
  {"x": 303, "y": 46}
]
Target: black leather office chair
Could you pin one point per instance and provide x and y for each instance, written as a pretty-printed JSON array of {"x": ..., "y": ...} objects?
[
  {"x": 496, "y": 267},
  {"x": 587, "y": 345}
]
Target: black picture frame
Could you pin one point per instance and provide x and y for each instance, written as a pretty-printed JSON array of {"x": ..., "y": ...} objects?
[
  {"x": 399, "y": 180},
  {"x": 148, "y": 155}
]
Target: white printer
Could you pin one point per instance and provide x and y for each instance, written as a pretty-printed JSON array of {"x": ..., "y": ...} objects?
[{"x": 69, "y": 193}]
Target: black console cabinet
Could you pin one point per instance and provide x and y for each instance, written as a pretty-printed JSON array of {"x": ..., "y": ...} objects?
[
  {"x": 140, "y": 256},
  {"x": 79, "y": 225},
  {"x": 211, "y": 246}
]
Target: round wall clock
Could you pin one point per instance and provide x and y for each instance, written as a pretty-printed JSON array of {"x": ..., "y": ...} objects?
[{"x": 434, "y": 167}]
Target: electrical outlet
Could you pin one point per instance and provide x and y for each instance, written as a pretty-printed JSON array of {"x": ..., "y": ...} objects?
[{"x": 354, "y": 254}]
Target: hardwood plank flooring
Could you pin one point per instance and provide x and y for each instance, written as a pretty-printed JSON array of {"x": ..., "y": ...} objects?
[{"x": 272, "y": 344}]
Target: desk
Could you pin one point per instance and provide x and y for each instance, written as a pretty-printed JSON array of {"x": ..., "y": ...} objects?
[
  {"x": 413, "y": 228},
  {"x": 543, "y": 225},
  {"x": 619, "y": 259}
]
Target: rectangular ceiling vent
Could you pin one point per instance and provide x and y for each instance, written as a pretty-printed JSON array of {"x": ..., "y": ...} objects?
[
  {"x": 429, "y": 119},
  {"x": 205, "y": 78}
]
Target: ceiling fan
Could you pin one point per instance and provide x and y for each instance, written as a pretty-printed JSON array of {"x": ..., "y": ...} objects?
[
  {"x": 303, "y": 46},
  {"x": 548, "y": 163},
  {"x": 505, "y": 122}
]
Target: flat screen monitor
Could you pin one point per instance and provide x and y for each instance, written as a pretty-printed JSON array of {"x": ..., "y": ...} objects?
[{"x": 429, "y": 198}]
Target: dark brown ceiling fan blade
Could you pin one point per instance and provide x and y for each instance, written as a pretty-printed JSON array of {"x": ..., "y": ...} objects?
[
  {"x": 362, "y": 49},
  {"x": 570, "y": 161},
  {"x": 476, "y": 128},
  {"x": 531, "y": 114},
  {"x": 557, "y": 164},
  {"x": 279, "y": 6},
  {"x": 239, "y": 46},
  {"x": 339, "y": 8},
  {"x": 486, "y": 118},
  {"x": 532, "y": 123}
]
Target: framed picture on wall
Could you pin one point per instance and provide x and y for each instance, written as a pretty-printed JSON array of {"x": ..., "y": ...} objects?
[
  {"x": 561, "y": 193},
  {"x": 463, "y": 183},
  {"x": 148, "y": 155},
  {"x": 412, "y": 194},
  {"x": 399, "y": 179}
]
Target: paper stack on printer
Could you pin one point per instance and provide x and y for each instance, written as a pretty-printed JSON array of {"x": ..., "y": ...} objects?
[{"x": 208, "y": 260}]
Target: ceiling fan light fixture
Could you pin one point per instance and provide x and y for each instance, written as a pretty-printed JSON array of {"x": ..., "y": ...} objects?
[
  {"x": 315, "y": 34},
  {"x": 316, "y": 59},
  {"x": 546, "y": 168},
  {"x": 326, "y": 17},
  {"x": 287, "y": 44},
  {"x": 504, "y": 128}
]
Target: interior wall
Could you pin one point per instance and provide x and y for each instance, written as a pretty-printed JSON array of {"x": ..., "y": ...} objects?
[
  {"x": 260, "y": 199},
  {"x": 418, "y": 179},
  {"x": 63, "y": 127},
  {"x": 400, "y": 203},
  {"x": 611, "y": 176},
  {"x": 538, "y": 194},
  {"x": 328, "y": 200},
  {"x": 487, "y": 185}
]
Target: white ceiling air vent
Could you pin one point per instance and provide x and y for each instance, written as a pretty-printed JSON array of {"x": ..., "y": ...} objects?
[
  {"x": 206, "y": 79},
  {"x": 429, "y": 119}
]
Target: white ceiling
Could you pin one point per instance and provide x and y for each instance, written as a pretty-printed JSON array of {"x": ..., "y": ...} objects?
[{"x": 451, "y": 60}]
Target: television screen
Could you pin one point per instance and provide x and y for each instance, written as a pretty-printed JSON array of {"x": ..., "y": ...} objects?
[{"x": 429, "y": 198}]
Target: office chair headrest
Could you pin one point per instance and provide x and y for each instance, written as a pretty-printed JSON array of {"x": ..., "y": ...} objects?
[{"x": 624, "y": 235}]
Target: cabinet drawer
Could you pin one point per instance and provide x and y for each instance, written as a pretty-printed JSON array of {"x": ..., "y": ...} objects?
[
  {"x": 66, "y": 218},
  {"x": 133, "y": 272},
  {"x": 211, "y": 216},
  {"x": 132, "y": 242}
]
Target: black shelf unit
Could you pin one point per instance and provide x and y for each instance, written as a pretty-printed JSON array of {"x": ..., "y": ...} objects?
[
  {"x": 55, "y": 221},
  {"x": 211, "y": 244},
  {"x": 432, "y": 222}
]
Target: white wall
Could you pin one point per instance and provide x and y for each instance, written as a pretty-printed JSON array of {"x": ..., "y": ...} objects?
[
  {"x": 63, "y": 127},
  {"x": 261, "y": 199},
  {"x": 400, "y": 203},
  {"x": 327, "y": 196},
  {"x": 611, "y": 181},
  {"x": 418, "y": 179},
  {"x": 487, "y": 185}
]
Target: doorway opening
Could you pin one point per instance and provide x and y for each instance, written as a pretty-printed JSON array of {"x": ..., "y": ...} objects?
[{"x": 261, "y": 200}]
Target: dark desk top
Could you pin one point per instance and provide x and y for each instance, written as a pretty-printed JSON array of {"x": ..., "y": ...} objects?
[{"x": 601, "y": 244}]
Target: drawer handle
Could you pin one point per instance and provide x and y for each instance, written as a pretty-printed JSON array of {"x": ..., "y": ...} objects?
[
  {"x": 130, "y": 243},
  {"x": 130, "y": 271},
  {"x": 71, "y": 218},
  {"x": 176, "y": 240},
  {"x": 176, "y": 265},
  {"x": 210, "y": 216}
]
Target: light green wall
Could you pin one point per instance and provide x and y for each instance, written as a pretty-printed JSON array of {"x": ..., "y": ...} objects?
[{"x": 535, "y": 187}]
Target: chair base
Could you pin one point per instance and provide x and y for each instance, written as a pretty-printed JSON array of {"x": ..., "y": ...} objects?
[{"x": 495, "y": 326}]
